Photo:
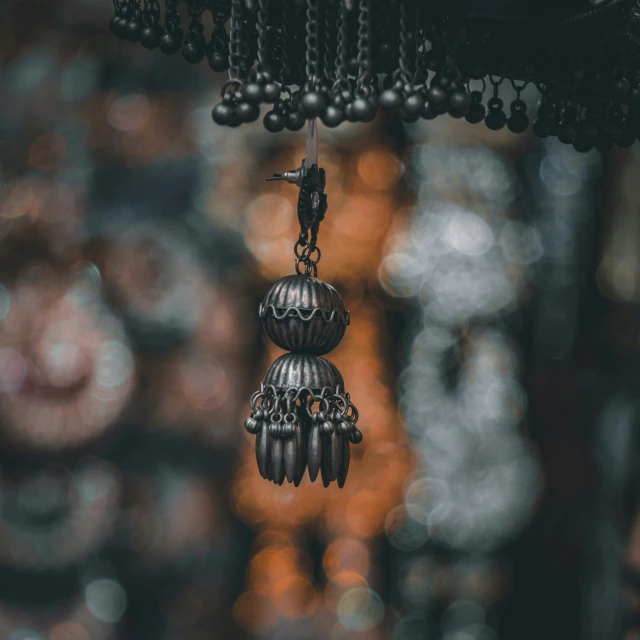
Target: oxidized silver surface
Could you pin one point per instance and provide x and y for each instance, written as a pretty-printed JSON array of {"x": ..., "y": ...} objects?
[
  {"x": 304, "y": 315},
  {"x": 303, "y": 419},
  {"x": 298, "y": 370},
  {"x": 297, "y": 429}
]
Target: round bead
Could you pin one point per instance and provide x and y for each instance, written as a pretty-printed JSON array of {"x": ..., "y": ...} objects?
[
  {"x": 253, "y": 93},
  {"x": 620, "y": 88},
  {"x": 459, "y": 103},
  {"x": 437, "y": 96},
  {"x": 364, "y": 110},
  {"x": 150, "y": 36},
  {"x": 295, "y": 121},
  {"x": 349, "y": 115},
  {"x": 194, "y": 48},
  {"x": 476, "y": 111},
  {"x": 390, "y": 100},
  {"x": 132, "y": 30},
  {"x": 312, "y": 104},
  {"x": 171, "y": 42},
  {"x": 332, "y": 116},
  {"x": 271, "y": 92},
  {"x": 296, "y": 370},
  {"x": 414, "y": 104},
  {"x": 518, "y": 122},
  {"x": 604, "y": 142},
  {"x": 117, "y": 26},
  {"x": 274, "y": 122},
  {"x": 218, "y": 61},
  {"x": 567, "y": 132},
  {"x": 496, "y": 117},
  {"x": 248, "y": 112},
  {"x": 222, "y": 114},
  {"x": 303, "y": 314},
  {"x": 542, "y": 127},
  {"x": 427, "y": 112},
  {"x": 405, "y": 116}
]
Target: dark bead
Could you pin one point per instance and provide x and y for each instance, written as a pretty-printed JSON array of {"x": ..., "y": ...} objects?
[
  {"x": 312, "y": 104},
  {"x": 248, "y": 112},
  {"x": 614, "y": 127},
  {"x": 390, "y": 100},
  {"x": 518, "y": 122},
  {"x": 132, "y": 30},
  {"x": 332, "y": 116},
  {"x": 218, "y": 62},
  {"x": 567, "y": 131},
  {"x": 253, "y": 93},
  {"x": 364, "y": 110},
  {"x": 427, "y": 112},
  {"x": 634, "y": 95},
  {"x": 353, "y": 66},
  {"x": 405, "y": 116},
  {"x": 117, "y": 26},
  {"x": 626, "y": 140},
  {"x": 588, "y": 131},
  {"x": 437, "y": 95},
  {"x": 582, "y": 144},
  {"x": 194, "y": 48},
  {"x": 496, "y": 117},
  {"x": 542, "y": 127},
  {"x": 620, "y": 88},
  {"x": 304, "y": 315},
  {"x": 349, "y": 115},
  {"x": 476, "y": 113},
  {"x": 414, "y": 104},
  {"x": 235, "y": 120},
  {"x": 262, "y": 76},
  {"x": 295, "y": 121},
  {"x": 170, "y": 42},
  {"x": 476, "y": 110},
  {"x": 604, "y": 142},
  {"x": 274, "y": 122},
  {"x": 459, "y": 104},
  {"x": 150, "y": 36},
  {"x": 222, "y": 114},
  {"x": 271, "y": 92}
]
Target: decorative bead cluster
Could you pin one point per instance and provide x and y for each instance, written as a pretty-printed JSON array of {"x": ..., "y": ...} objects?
[
  {"x": 301, "y": 416},
  {"x": 344, "y": 60}
]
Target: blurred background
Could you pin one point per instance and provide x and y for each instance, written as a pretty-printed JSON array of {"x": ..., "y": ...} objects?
[{"x": 494, "y": 287}]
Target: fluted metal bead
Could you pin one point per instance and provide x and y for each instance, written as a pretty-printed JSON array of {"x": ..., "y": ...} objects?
[
  {"x": 304, "y": 315},
  {"x": 298, "y": 370}
]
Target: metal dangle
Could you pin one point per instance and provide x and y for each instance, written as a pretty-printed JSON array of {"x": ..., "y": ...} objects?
[{"x": 302, "y": 416}]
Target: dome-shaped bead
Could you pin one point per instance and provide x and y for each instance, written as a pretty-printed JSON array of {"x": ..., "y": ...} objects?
[
  {"x": 304, "y": 315},
  {"x": 297, "y": 370}
]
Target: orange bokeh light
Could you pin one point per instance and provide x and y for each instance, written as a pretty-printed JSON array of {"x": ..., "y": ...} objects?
[{"x": 379, "y": 169}]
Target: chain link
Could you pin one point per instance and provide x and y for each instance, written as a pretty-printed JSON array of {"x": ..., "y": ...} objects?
[
  {"x": 262, "y": 29},
  {"x": 312, "y": 58},
  {"x": 330, "y": 39},
  {"x": 238, "y": 47},
  {"x": 404, "y": 63},
  {"x": 286, "y": 31},
  {"x": 364, "y": 43}
]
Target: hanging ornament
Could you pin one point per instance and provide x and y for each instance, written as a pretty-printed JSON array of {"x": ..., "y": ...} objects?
[
  {"x": 342, "y": 60},
  {"x": 302, "y": 416}
]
